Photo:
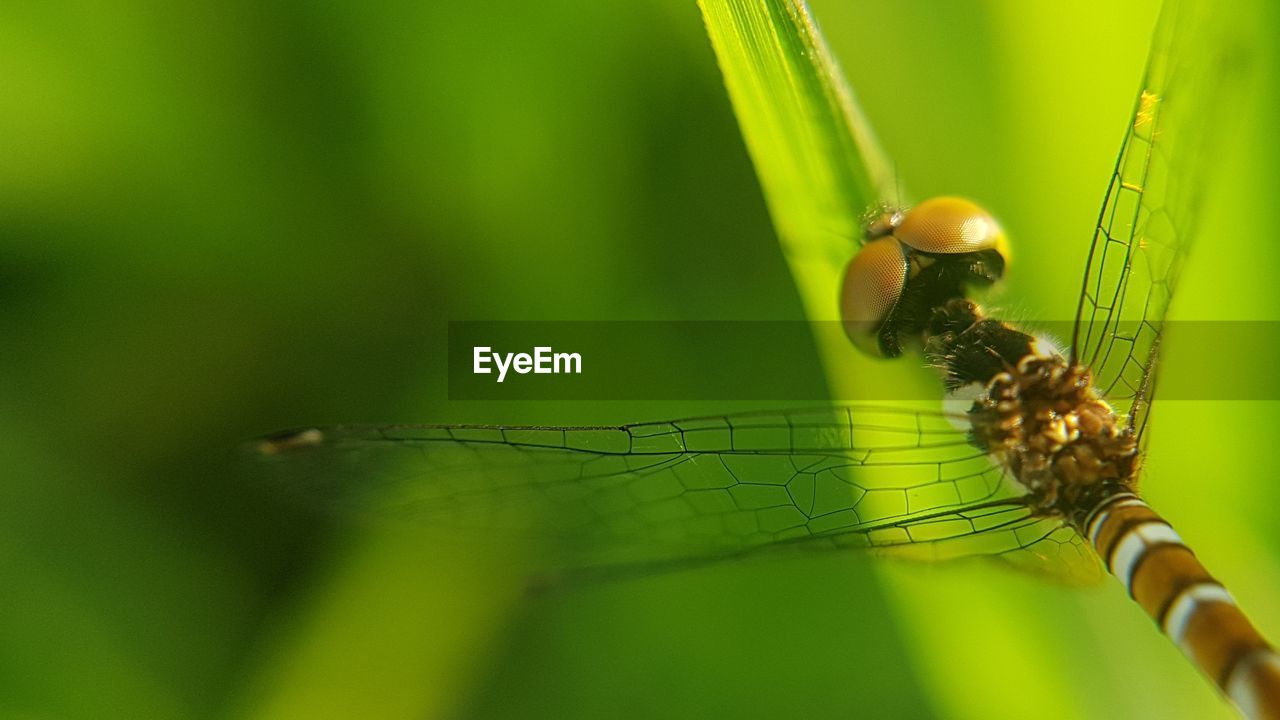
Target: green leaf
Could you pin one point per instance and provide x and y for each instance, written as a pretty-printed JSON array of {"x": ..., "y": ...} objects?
[{"x": 817, "y": 158}]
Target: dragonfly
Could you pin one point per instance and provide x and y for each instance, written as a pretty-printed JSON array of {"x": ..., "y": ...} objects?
[{"x": 1037, "y": 466}]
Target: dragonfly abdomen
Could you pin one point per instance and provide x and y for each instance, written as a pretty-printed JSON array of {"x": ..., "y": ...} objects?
[
  {"x": 1041, "y": 417},
  {"x": 1164, "y": 576}
]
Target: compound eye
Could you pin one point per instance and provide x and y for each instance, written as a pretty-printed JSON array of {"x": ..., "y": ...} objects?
[
  {"x": 873, "y": 284},
  {"x": 949, "y": 226}
]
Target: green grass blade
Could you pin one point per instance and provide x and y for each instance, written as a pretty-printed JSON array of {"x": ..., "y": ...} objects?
[{"x": 817, "y": 159}]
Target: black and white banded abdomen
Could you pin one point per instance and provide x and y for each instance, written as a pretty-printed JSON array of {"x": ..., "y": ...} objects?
[{"x": 1190, "y": 606}]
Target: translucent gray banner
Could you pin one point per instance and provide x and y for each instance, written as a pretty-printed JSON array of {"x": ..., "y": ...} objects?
[{"x": 779, "y": 360}]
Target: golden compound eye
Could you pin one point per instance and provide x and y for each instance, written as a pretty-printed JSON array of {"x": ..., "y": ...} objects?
[
  {"x": 951, "y": 225},
  {"x": 873, "y": 284}
]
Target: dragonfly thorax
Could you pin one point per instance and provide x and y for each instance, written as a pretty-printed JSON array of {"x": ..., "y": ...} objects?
[
  {"x": 1044, "y": 420},
  {"x": 1037, "y": 413}
]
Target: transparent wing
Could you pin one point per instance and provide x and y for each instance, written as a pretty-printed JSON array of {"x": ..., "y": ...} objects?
[
  {"x": 687, "y": 491},
  {"x": 1148, "y": 218}
]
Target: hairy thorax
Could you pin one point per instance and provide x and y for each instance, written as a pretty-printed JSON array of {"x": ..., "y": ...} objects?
[{"x": 1044, "y": 420}]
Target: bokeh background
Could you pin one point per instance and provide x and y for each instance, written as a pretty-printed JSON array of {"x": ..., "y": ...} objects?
[{"x": 221, "y": 219}]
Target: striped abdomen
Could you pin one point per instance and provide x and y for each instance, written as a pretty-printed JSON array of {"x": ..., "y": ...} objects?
[{"x": 1194, "y": 610}]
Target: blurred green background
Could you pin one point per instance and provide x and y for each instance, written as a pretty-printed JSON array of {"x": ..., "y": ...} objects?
[{"x": 217, "y": 220}]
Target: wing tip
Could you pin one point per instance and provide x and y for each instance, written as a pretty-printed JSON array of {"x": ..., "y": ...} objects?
[{"x": 287, "y": 441}]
